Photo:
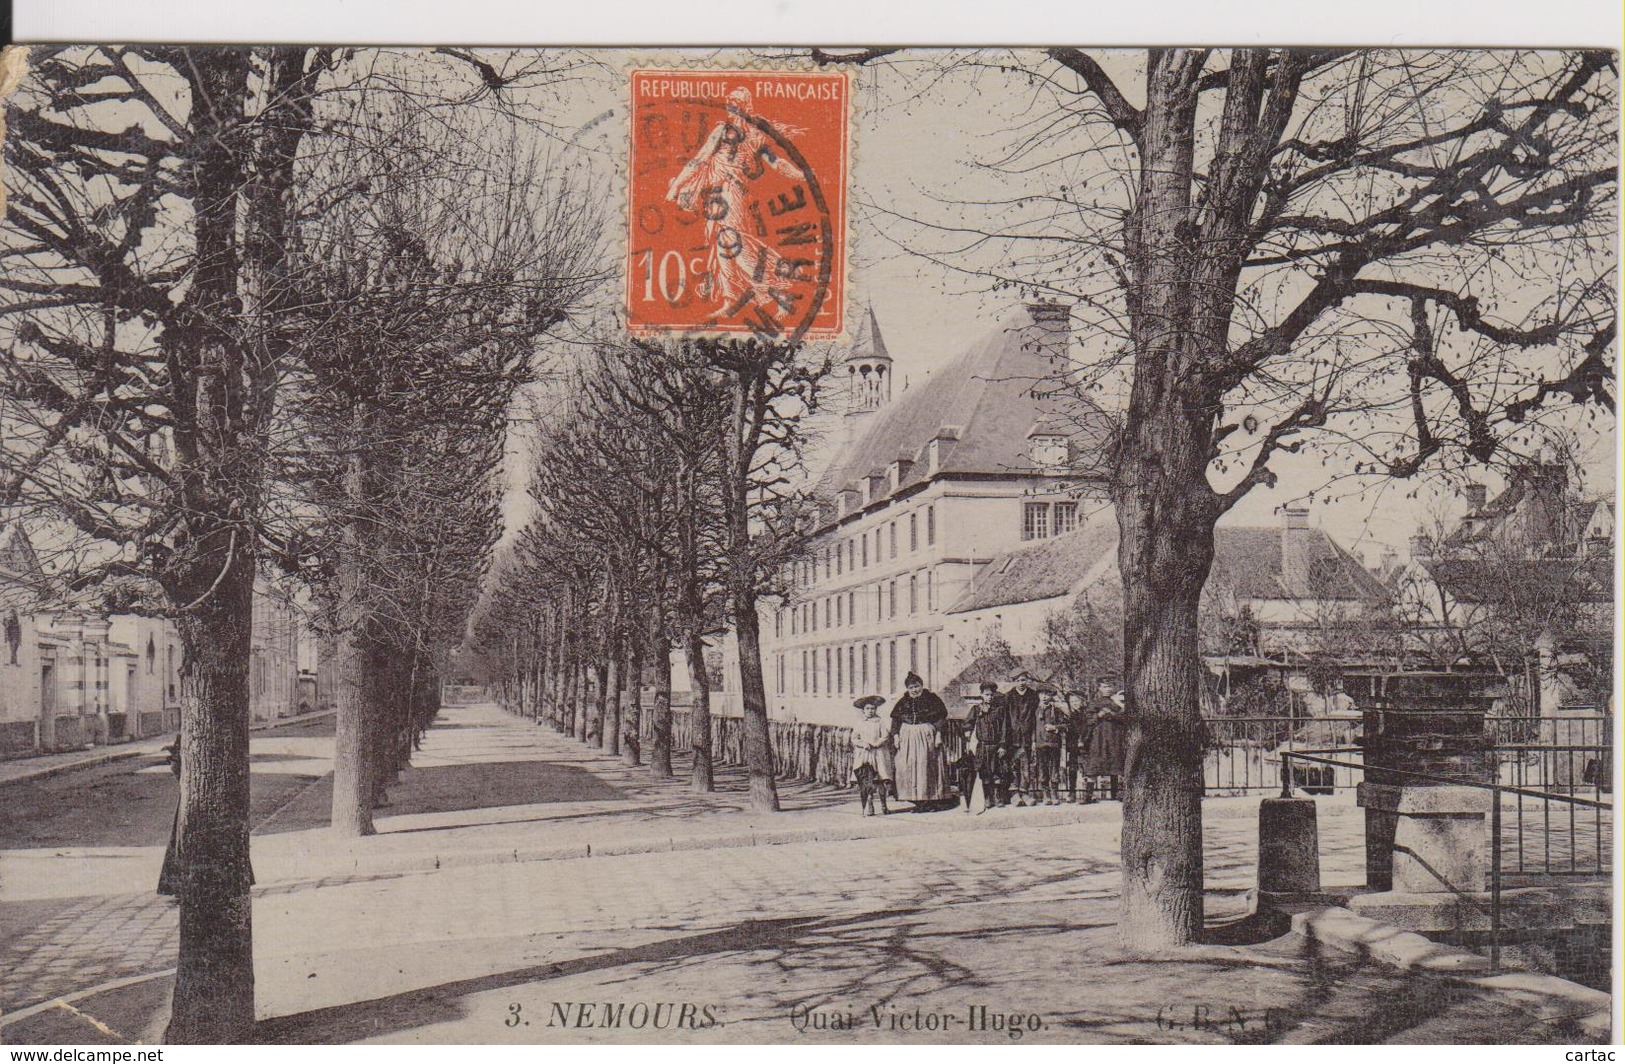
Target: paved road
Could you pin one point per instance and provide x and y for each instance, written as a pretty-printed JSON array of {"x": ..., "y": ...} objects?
[
  {"x": 1019, "y": 918},
  {"x": 73, "y": 846}
]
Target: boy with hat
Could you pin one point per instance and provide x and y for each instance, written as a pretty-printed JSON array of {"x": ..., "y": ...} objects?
[
  {"x": 987, "y": 727},
  {"x": 1021, "y": 725}
]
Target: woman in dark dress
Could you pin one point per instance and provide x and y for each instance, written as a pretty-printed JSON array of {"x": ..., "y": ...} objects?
[
  {"x": 916, "y": 728},
  {"x": 1108, "y": 738}
]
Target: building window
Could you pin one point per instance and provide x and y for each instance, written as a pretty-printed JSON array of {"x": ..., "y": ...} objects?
[
  {"x": 837, "y": 559},
  {"x": 880, "y": 604},
  {"x": 913, "y": 655},
  {"x": 865, "y": 538},
  {"x": 795, "y": 617},
  {"x": 778, "y": 624},
  {"x": 892, "y": 671},
  {"x": 803, "y": 672},
  {"x": 913, "y": 594},
  {"x": 930, "y": 657},
  {"x": 913, "y": 532},
  {"x": 1066, "y": 517},
  {"x": 893, "y": 535},
  {"x": 851, "y": 554},
  {"x": 826, "y": 563},
  {"x": 863, "y": 659},
  {"x": 826, "y": 613},
  {"x": 840, "y": 674},
  {"x": 838, "y": 611},
  {"x": 930, "y": 592},
  {"x": 1035, "y": 520},
  {"x": 930, "y": 526},
  {"x": 852, "y": 670},
  {"x": 829, "y": 669},
  {"x": 851, "y": 607},
  {"x": 891, "y": 599}
]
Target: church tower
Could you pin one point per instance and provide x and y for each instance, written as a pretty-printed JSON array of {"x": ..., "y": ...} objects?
[{"x": 868, "y": 374}]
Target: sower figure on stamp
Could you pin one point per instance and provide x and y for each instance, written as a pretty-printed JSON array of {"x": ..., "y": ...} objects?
[
  {"x": 873, "y": 767},
  {"x": 740, "y": 266},
  {"x": 1020, "y": 724}
]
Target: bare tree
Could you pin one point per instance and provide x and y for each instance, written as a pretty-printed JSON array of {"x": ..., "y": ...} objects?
[{"x": 1403, "y": 256}]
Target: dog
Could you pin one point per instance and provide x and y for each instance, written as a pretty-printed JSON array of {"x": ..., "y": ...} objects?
[{"x": 871, "y": 787}]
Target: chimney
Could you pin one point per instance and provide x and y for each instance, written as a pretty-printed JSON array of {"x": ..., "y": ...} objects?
[
  {"x": 1053, "y": 322},
  {"x": 1543, "y": 503},
  {"x": 1296, "y": 517},
  {"x": 1296, "y": 541},
  {"x": 1477, "y": 496}
]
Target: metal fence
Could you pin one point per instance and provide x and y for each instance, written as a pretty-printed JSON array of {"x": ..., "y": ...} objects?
[
  {"x": 1569, "y": 754},
  {"x": 1583, "y": 835},
  {"x": 1244, "y": 753}
]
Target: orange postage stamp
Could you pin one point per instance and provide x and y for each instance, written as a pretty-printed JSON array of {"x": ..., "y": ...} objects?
[{"x": 737, "y": 207}]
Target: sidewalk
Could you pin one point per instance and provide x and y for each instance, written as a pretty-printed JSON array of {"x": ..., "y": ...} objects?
[
  {"x": 45, "y": 766},
  {"x": 517, "y": 874},
  {"x": 491, "y": 788}
]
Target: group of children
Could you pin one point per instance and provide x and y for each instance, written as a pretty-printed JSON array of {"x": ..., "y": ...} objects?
[{"x": 1021, "y": 745}]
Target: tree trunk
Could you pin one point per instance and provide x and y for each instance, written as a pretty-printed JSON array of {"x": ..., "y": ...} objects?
[
  {"x": 600, "y": 676},
  {"x": 764, "y": 792},
  {"x": 634, "y": 710},
  {"x": 694, "y": 646},
  {"x": 214, "y": 980},
  {"x": 352, "y": 774},
  {"x": 578, "y": 697},
  {"x": 660, "y": 748},
  {"x": 615, "y": 676},
  {"x": 742, "y": 581},
  {"x": 1165, "y": 515}
]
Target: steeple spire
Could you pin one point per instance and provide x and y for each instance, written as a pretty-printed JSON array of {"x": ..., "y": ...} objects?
[{"x": 868, "y": 368}]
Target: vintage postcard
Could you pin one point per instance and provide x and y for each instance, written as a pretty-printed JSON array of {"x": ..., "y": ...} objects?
[{"x": 849, "y": 546}]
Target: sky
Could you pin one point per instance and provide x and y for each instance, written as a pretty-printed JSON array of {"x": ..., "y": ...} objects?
[{"x": 925, "y": 126}]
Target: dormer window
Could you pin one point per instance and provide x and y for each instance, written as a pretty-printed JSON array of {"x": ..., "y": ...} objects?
[
  {"x": 933, "y": 456},
  {"x": 1048, "y": 450}
]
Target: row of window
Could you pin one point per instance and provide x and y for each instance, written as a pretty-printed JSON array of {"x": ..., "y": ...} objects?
[
  {"x": 841, "y": 610},
  {"x": 867, "y": 548},
  {"x": 858, "y": 668},
  {"x": 1040, "y": 520}
]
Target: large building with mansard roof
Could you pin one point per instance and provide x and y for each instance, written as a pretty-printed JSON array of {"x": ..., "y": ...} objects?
[{"x": 922, "y": 489}]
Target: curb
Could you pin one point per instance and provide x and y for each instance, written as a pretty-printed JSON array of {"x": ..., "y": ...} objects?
[
  {"x": 74, "y": 766},
  {"x": 417, "y": 863},
  {"x": 122, "y": 753},
  {"x": 1556, "y": 1000}
]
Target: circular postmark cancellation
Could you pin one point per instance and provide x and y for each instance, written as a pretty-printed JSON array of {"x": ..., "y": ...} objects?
[{"x": 737, "y": 203}]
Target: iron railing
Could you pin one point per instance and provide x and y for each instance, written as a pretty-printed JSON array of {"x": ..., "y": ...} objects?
[{"x": 1503, "y": 796}]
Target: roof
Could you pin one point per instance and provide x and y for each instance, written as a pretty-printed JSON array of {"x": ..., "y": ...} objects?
[
  {"x": 985, "y": 401},
  {"x": 1256, "y": 563},
  {"x": 1532, "y": 581},
  {"x": 868, "y": 343},
  {"x": 22, "y": 578},
  {"x": 1046, "y": 569},
  {"x": 1302, "y": 563}
]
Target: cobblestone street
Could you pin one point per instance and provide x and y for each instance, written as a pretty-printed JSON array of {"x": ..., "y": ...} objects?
[{"x": 431, "y": 932}]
